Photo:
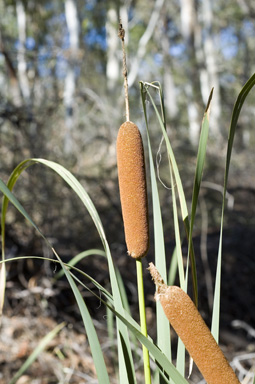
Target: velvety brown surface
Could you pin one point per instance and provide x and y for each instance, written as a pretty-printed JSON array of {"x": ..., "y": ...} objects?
[
  {"x": 133, "y": 192},
  {"x": 196, "y": 336}
]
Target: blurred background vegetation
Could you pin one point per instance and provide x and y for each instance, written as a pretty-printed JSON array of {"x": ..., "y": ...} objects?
[{"x": 62, "y": 98}]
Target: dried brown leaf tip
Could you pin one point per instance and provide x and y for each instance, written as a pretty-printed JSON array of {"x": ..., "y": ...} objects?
[{"x": 156, "y": 277}]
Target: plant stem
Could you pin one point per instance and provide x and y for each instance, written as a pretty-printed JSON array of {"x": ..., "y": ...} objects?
[
  {"x": 146, "y": 358},
  {"x": 121, "y": 35}
]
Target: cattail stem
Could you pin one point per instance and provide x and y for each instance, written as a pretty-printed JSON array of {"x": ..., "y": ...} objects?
[
  {"x": 192, "y": 330},
  {"x": 121, "y": 35},
  {"x": 141, "y": 301}
]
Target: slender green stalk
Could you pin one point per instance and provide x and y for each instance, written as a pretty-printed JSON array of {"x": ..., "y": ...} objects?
[{"x": 146, "y": 358}]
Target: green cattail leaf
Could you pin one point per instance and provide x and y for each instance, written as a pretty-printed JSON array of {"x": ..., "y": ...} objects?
[
  {"x": 180, "y": 361},
  {"x": 76, "y": 259},
  {"x": 127, "y": 376},
  {"x": 156, "y": 354},
  {"x": 234, "y": 119},
  {"x": 177, "y": 236},
  {"x": 163, "y": 328},
  {"x": 95, "y": 346},
  {"x": 183, "y": 204},
  {"x": 70, "y": 267},
  {"x": 196, "y": 188},
  {"x": 172, "y": 269},
  {"x": 96, "y": 351},
  {"x": 166, "y": 367}
]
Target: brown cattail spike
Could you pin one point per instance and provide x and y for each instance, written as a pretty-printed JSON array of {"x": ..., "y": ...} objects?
[
  {"x": 196, "y": 336},
  {"x": 133, "y": 191}
]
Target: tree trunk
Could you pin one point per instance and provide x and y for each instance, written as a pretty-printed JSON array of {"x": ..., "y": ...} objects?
[
  {"x": 113, "y": 44},
  {"x": 188, "y": 24},
  {"x": 168, "y": 80},
  {"x": 21, "y": 56},
  {"x": 73, "y": 26},
  {"x": 141, "y": 50},
  {"x": 211, "y": 68}
]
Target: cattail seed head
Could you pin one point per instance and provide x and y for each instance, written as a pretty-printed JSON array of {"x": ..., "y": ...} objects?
[
  {"x": 133, "y": 191},
  {"x": 194, "y": 333}
]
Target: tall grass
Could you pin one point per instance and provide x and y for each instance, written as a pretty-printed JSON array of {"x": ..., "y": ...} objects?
[{"x": 160, "y": 350}]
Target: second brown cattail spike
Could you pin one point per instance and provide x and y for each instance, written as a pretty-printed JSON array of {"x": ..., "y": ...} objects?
[{"x": 191, "y": 328}]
